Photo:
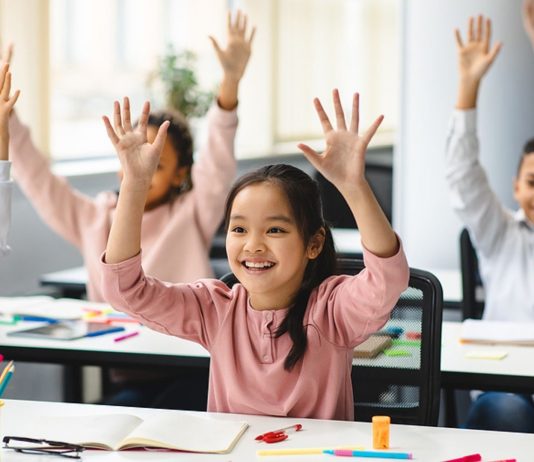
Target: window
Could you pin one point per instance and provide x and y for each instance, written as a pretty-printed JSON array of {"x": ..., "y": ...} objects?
[{"x": 101, "y": 50}]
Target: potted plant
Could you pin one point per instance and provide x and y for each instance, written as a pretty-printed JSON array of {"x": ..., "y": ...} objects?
[{"x": 177, "y": 81}]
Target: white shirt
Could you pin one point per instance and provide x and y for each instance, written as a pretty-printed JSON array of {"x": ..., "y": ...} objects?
[
  {"x": 504, "y": 240},
  {"x": 5, "y": 204}
]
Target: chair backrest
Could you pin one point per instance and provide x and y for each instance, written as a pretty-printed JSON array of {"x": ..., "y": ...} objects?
[
  {"x": 472, "y": 307},
  {"x": 404, "y": 387},
  {"x": 404, "y": 381}
]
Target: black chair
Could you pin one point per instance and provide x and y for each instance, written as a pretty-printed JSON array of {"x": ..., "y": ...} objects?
[
  {"x": 404, "y": 387},
  {"x": 472, "y": 305}
]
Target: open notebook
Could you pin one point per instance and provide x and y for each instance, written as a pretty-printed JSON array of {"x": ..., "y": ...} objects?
[
  {"x": 181, "y": 431},
  {"x": 497, "y": 332}
]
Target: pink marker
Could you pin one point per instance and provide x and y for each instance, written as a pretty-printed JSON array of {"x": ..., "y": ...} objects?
[
  {"x": 125, "y": 336},
  {"x": 469, "y": 458}
]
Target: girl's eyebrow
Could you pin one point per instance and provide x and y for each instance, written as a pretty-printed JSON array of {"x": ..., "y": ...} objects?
[{"x": 283, "y": 218}]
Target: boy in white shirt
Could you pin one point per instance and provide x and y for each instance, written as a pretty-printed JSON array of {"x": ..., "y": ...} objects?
[{"x": 504, "y": 240}]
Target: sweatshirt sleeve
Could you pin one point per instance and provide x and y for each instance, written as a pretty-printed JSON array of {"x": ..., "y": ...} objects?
[
  {"x": 188, "y": 311},
  {"x": 215, "y": 170},
  {"x": 471, "y": 196},
  {"x": 64, "y": 209},
  {"x": 348, "y": 309},
  {"x": 6, "y": 187}
]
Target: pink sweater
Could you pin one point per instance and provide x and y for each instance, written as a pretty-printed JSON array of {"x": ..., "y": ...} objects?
[
  {"x": 247, "y": 372},
  {"x": 176, "y": 237}
]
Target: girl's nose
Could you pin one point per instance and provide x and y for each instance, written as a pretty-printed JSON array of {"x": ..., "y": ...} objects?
[{"x": 254, "y": 244}]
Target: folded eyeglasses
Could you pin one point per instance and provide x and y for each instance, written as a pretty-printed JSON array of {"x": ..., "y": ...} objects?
[{"x": 39, "y": 446}]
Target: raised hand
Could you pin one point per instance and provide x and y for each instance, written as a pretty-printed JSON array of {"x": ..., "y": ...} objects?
[
  {"x": 474, "y": 59},
  {"x": 528, "y": 19},
  {"x": 343, "y": 160},
  {"x": 7, "y": 101},
  {"x": 234, "y": 58},
  {"x": 138, "y": 157}
]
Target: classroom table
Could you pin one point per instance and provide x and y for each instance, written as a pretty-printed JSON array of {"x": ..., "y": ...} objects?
[
  {"x": 428, "y": 444},
  {"x": 514, "y": 373}
]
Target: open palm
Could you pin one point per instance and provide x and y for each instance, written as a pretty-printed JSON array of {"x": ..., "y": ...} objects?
[
  {"x": 139, "y": 158},
  {"x": 235, "y": 56},
  {"x": 343, "y": 160},
  {"x": 475, "y": 56}
]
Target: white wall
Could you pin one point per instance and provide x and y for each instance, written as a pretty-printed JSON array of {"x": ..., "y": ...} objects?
[{"x": 422, "y": 213}]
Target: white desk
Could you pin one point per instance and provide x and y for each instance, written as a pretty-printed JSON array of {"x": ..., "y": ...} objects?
[
  {"x": 428, "y": 444},
  {"x": 514, "y": 373}
]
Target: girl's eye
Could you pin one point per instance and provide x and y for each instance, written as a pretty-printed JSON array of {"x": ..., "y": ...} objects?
[
  {"x": 238, "y": 229},
  {"x": 276, "y": 230},
  {"x": 531, "y": 184}
]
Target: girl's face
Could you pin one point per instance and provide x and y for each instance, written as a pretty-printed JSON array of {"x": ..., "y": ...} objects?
[
  {"x": 265, "y": 248},
  {"x": 167, "y": 174}
]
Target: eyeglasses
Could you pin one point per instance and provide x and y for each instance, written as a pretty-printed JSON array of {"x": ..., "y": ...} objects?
[{"x": 58, "y": 448}]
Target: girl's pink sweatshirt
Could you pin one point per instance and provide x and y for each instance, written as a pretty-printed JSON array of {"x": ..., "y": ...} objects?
[
  {"x": 247, "y": 372},
  {"x": 176, "y": 237}
]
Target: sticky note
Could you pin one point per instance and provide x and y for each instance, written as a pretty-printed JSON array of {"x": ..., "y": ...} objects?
[{"x": 486, "y": 354}]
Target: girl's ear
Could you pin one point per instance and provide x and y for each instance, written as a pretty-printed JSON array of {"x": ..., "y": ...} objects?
[{"x": 316, "y": 244}]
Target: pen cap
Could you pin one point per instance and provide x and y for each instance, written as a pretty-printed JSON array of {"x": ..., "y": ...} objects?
[{"x": 381, "y": 431}]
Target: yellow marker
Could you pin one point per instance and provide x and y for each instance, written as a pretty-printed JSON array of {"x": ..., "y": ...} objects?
[
  {"x": 381, "y": 431},
  {"x": 300, "y": 451}
]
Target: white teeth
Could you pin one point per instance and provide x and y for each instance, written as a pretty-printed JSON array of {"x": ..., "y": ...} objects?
[{"x": 266, "y": 264}]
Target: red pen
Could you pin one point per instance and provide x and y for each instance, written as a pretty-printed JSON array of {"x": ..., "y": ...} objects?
[
  {"x": 469, "y": 458},
  {"x": 275, "y": 436}
]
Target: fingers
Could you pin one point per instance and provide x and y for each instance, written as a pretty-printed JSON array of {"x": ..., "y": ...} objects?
[
  {"x": 494, "y": 51},
  {"x": 458, "y": 36},
  {"x": 470, "y": 30},
  {"x": 127, "y": 119},
  {"x": 143, "y": 120},
  {"x": 487, "y": 35},
  {"x": 159, "y": 141},
  {"x": 355, "y": 120},
  {"x": 370, "y": 132},
  {"x": 3, "y": 73},
  {"x": 325, "y": 122},
  {"x": 6, "y": 87},
  {"x": 216, "y": 46},
  {"x": 111, "y": 133},
  {"x": 6, "y": 57},
  {"x": 11, "y": 102},
  {"x": 252, "y": 36},
  {"x": 480, "y": 28},
  {"x": 310, "y": 154},
  {"x": 117, "y": 119},
  {"x": 338, "y": 108}
]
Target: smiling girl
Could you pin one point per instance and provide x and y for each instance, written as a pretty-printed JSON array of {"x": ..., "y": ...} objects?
[{"x": 281, "y": 340}]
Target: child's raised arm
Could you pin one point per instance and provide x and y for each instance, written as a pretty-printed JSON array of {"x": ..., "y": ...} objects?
[
  {"x": 139, "y": 160},
  {"x": 343, "y": 164},
  {"x": 474, "y": 59},
  {"x": 6, "y": 106},
  {"x": 234, "y": 58}
]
